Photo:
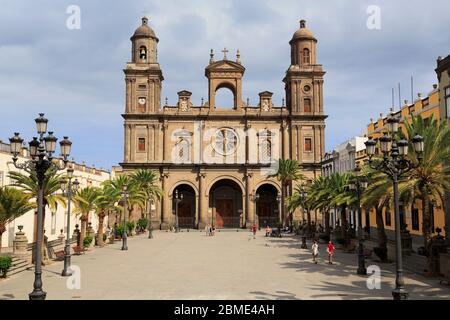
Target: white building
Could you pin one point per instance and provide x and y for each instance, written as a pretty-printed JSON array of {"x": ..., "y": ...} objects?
[
  {"x": 54, "y": 221},
  {"x": 343, "y": 159}
]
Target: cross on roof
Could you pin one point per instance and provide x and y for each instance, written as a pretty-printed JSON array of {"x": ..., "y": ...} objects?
[{"x": 225, "y": 51}]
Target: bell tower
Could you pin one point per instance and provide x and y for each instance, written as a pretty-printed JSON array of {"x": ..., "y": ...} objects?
[
  {"x": 304, "y": 100},
  {"x": 143, "y": 80},
  {"x": 143, "y": 75}
]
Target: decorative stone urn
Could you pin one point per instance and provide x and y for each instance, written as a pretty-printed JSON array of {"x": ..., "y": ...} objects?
[{"x": 20, "y": 244}]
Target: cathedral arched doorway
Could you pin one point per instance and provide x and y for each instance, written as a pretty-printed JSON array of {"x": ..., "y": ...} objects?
[
  {"x": 186, "y": 207},
  {"x": 225, "y": 202},
  {"x": 267, "y": 208}
]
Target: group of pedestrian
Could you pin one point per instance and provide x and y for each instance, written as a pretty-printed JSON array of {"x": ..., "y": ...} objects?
[
  {"x": 315, "y": 251},
  {"x": 210, "y": 230}
]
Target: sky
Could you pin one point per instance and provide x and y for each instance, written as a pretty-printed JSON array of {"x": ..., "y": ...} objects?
[{"x": 75, "y": 76}]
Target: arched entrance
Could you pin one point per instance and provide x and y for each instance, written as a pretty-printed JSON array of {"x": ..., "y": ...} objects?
[
  {"x": 226, "y": 204},
  {"x": 186, "y": 208},
  {"x": 267, "y": 208}
]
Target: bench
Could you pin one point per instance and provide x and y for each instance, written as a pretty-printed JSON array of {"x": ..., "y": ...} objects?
[
  {"x": 59, "y": 255},
  {"x": 446, "y": 280},
  {"x": 78, "y": 250}
]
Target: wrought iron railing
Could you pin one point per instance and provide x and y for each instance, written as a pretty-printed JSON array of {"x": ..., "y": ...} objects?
[
  {"x": 186, "y": 222},
  {"x": 272, "y": 221},
  {"x": 228, "y": 222}
]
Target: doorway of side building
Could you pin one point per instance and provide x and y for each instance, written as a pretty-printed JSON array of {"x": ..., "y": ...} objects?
[
  {"x": 226, "y": 204},
  {"x": 186, "y": 208},
  {"x": 267, "y": 208}
]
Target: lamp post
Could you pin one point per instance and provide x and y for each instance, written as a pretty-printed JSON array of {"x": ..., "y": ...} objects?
[
  {"x": 125, "y": 205},
  {"x": 394, "y": 164},
  {"x": 178, "y": 199},
  {"x": 68, "y": 188},
  {"x": 303, "y": 195},
  {"x": 357, "y": 184},
  {"x": 41, "y": 152},
  {"x": 279, "y": 208},
  {"x": 255, "y": 199}
]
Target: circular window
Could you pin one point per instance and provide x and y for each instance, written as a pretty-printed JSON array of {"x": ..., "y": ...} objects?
[
  {"x": 225, "y": 141},
  {"x": 307, "y": 88}
]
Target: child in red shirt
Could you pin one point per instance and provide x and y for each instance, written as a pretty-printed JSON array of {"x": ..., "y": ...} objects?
[{"x": 330, "y": 250}]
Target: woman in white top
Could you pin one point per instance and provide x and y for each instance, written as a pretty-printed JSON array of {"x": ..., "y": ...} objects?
[{"x": 315, "y": 251}]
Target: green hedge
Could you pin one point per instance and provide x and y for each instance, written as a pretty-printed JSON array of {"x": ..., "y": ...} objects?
[
  {"x": 87, "y": 241},
  {"x": 142, "y": 223},
  {"x": 130, "y": 226},
  {"x": 5, "y": 264}
]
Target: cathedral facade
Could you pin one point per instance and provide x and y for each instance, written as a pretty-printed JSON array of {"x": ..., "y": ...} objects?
[{"x": 219, "y": 160}]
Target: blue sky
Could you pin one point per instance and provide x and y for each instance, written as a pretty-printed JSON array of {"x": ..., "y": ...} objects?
[{"x": 76, "y": 78}]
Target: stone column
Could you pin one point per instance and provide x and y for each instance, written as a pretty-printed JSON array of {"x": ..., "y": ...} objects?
[
  {"x": 165, "y": 218},
  {"x": 248, "y": 214},
  {"x": 202, "y": 203}
]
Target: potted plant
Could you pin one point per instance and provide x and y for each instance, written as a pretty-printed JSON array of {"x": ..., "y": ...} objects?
[{"x": 5, "y": 265}]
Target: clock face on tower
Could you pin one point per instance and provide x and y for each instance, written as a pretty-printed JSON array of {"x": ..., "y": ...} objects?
[{"x": 225, "y": 141}]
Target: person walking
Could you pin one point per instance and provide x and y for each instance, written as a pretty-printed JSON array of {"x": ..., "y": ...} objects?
[
  {"x": 254, "y": 231},
  {"x": 315, "y": 251},
  {"x": 330, "y": 250},
  {"x": 207, "y": 230}
]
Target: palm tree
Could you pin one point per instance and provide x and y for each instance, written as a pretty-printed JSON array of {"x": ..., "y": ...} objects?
[
  {"x": 319, "y": 196},
  {"x": 136, "y": 196},
  {"x": 431, "y": 177},
  {"x": 13, "y": 204},
  {"x": 378, "y": 195},
  {"x": 146, "y": 181},
  {"x": 105, "y": 200},
  {"x": 84, "y": 201},
  {"x": 340, "y": 198},
  {"x": 29, "y": 184},
  {"x": 288, "y": 171}
]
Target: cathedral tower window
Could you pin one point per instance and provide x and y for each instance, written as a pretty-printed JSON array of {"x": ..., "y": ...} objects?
[
  {"x": 306, "y": 56},
  {"x": 143, "y": 53},
  {"x": 308, "y": 145},
  {"x": 141, "y": 144},
  {"x": 307, "y": 105}
]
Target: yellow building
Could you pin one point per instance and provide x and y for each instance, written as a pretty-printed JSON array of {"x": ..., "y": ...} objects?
[{"x": 411, "y": 215}]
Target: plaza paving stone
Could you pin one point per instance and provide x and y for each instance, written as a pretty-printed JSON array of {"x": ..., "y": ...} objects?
[{"x": 230, "y": 265}]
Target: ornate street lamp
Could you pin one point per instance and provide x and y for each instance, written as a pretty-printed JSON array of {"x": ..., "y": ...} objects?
[
  {"x": 394, "y": 164},
  {"x": 68, "y": 188},
  {"x": 279, "y": 208},
  {"x": 41, "y": 152},
  {"x": 178, "y": 199},
  {"x": 357, "y": 184},
  {"x": 125, "y": 206}
]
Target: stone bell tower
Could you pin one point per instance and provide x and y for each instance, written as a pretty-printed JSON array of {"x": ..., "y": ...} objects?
[
  {"x": 304, "y": 100},
  {"x": 143, "y": 78}
]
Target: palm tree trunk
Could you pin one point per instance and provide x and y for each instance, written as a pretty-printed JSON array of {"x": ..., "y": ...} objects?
[
  {"x": 283, "y": 196},
  {"x": 344, "y": 224},
  {"x": 82, "y": 229},
  {"x": 1, "y": 234},
  {"x": 101, "y": 218},
  {"x": 426, "y": 232},
  {"x": 327, "y": 223},
  {"x": 381, "y": 232}
]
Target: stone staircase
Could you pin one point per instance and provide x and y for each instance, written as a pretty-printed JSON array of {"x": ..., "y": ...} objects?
[{"x": 18, "y": 265}]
